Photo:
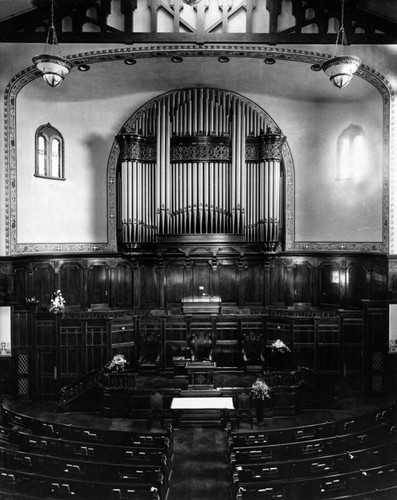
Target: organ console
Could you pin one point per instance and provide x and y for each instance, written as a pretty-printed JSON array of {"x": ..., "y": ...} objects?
[{"x": 201, "y": 162}]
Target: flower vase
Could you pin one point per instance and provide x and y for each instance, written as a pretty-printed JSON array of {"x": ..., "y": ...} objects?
[{"x": 259, "y": 409}]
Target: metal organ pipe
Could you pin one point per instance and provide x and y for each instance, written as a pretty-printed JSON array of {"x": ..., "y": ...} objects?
[{"x": 200, "y": 161}]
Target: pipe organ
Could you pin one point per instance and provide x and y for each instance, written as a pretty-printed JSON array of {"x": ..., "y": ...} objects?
[{"x": 200, "y": 162}]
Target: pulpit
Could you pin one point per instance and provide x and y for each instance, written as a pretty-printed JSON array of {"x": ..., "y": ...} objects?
[
  {"x": 200, "y": 374},
  {"x": 201, "y": 305}
]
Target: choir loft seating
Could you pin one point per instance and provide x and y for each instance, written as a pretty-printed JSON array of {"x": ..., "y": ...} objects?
[
  {"x": 149, "y": 358},
  {"x": 253, "y": 352}
]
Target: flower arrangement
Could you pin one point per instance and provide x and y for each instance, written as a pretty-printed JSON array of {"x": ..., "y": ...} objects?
[
  {"x": 279, "y": 346},
  {"x": 260, "y": 389},
  {"x": 117, "y": 363},
  {"x": 57, "y": 303}
]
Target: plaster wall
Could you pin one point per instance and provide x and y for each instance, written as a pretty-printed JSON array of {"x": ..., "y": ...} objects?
[{"x": 89, "y": 112}]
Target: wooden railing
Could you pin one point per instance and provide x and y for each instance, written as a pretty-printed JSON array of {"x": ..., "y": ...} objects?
[{"x": 95, "y": 379}]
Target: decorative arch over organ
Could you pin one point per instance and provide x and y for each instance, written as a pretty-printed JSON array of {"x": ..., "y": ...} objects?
[{"x": 201, "y": 162}]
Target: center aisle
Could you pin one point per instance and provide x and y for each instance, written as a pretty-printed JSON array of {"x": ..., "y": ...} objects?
[{"x": 199, "y": 467}]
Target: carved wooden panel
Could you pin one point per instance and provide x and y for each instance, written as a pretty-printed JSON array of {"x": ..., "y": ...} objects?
[
  {"x": 20, "y": 282},
  {"x": 47, "y": 381},
  {"x": 123, "y": 286},
  {"x": 278, "y": 284},
  {"x": 43, "y": 283},
  {"x": 228, "y": 283},
  {"x": 71, "y": 279},
  {"x": 357, "y": 284},
  {"x": 202, "y": 278},
  {"x": 302, "y": 283},
  {"x": 21, "y": 328},
  {"x": 177, "y": 283},
  {"x": 253, "y": 283},
  {"x": 330, "y": 284},
  {"x": 378, "y": 288},
  {"x": 71, "y": 351},
  {"x": 97, "y": 345},
  {"x": 46, "y": 333},
  {"x": 99, "y": 284},
  {"x": 149, "y": 287}
]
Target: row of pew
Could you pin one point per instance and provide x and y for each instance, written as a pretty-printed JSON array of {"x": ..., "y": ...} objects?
[
  {"x": 52, "y": 460},
  {"x": 354, "y": 458}
]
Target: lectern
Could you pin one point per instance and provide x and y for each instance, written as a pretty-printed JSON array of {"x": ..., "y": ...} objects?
[{"x": 200, "y": 374}]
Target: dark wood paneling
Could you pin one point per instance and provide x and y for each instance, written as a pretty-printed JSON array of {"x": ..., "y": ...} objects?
[
  {"x": 228, "y": 283},
  {"x": 202, "y": 277},
  {"x": 43, "y": 276},
  {"x": 71, "y": 279},
  {"x": 330, "y": 284},
  {"x": 20, "y": 282},
  {"x": 149, "y": 287},
  {"x": 278, "y": 284},
  {"x": 302, "y": 283},
  {"x": 5, "y": 375},
  {"x": 253, "y": 283},
  {"x": 123, "y": 286},
  {"x": 99, "y": 285},
  {"x": 47, "y": 373},
  {"x": 357, "y": 284},
  {"x": 177, "y": 283}
]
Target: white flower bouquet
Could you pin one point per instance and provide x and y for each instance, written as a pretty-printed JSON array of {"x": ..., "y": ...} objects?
[
  {"x": 57, "y": 303},
  {"x": 260, "y": 389}
]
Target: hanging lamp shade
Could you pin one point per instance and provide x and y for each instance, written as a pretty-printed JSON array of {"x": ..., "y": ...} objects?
[
  {"x": 52, "y": 65},
  {"x": 54, "y": 68},
  {"x": 341, "y": 69},
  {"x": 342, "y": 66}
]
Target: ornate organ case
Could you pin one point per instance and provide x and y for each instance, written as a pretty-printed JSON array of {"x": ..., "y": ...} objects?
[{"x": 201, "y": 162}]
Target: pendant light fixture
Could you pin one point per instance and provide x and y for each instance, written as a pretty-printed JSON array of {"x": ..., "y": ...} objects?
[
  {"x": 341, "y": 68},
  {"x": 52, "y": 65}
]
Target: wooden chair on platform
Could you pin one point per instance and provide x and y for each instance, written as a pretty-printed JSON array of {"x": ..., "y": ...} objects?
[
  {"x": 242, "y": 404},
  {"x": 149, "y": 358},
  {"x": 201, "y": 347},
  {"x": 253, "y": 352}
]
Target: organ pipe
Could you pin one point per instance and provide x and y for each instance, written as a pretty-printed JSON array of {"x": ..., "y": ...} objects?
[{"x": 200, "y": 161}]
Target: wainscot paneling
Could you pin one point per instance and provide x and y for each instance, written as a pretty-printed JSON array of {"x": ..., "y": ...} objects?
[
  {"x": 329, "y": 309},
  {"x": 71, "y": 278}
]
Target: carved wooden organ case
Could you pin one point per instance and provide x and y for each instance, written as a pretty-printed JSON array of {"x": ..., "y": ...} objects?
[{"x": 200, "y": 162}]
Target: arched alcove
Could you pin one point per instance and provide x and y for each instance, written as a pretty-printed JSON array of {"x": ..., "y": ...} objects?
[{"x": 202, "y": 161}]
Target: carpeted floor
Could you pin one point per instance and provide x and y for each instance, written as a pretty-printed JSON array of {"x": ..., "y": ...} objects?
[{"x": 200, "y": 469}]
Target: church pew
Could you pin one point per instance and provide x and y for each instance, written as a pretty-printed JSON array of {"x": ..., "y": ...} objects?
[
  {"x": 330, "y": 486},
  {"x": 383, "y": 493},
  {"x": 52, "y": 487},
  {"x": 313, "y": 431},
  {"x": 315, "y": 447},
  {"x": 77, "y": 433},
  {"x": 84, "y": 469},
  {"x": 310, "y": 467},
  {"x": 93, "y": 451}
]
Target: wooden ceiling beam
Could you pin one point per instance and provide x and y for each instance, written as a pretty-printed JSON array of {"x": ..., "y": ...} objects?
[{"x": 117, "y": 37}]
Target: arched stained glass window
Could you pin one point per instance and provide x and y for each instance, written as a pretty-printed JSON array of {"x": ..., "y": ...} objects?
[
  {"x": 352, "y": 153},
  {"x": 49, "y": 153}
]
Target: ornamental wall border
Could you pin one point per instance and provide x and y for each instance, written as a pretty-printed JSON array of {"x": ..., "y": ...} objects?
[{"x": 29, "y": 74}]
